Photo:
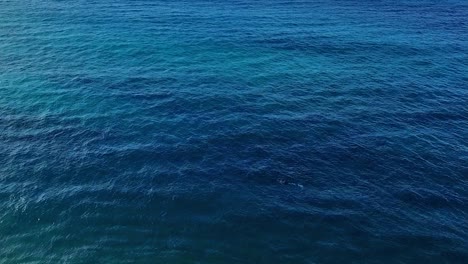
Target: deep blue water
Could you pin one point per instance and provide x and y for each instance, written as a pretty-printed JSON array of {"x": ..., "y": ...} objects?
[{"x": 242, "y": 131}]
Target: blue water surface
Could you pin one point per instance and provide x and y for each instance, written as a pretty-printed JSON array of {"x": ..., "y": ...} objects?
[{"x": 243, "y": 131}]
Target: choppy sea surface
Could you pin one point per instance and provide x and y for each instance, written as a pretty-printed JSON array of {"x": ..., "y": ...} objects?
[{"x": 241, "y": 131}]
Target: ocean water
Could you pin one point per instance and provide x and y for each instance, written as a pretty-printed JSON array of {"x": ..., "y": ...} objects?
[{"x": 269, "y": 131}]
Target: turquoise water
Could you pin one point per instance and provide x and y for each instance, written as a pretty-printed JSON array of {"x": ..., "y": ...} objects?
[{"x": 233, "y": 131}]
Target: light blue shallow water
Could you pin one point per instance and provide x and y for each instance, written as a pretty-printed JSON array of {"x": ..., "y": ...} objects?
[{"x": 241, "y": 131}]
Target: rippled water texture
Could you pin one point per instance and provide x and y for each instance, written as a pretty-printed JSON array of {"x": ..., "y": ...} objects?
[{"x": 233, "y": 131}]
